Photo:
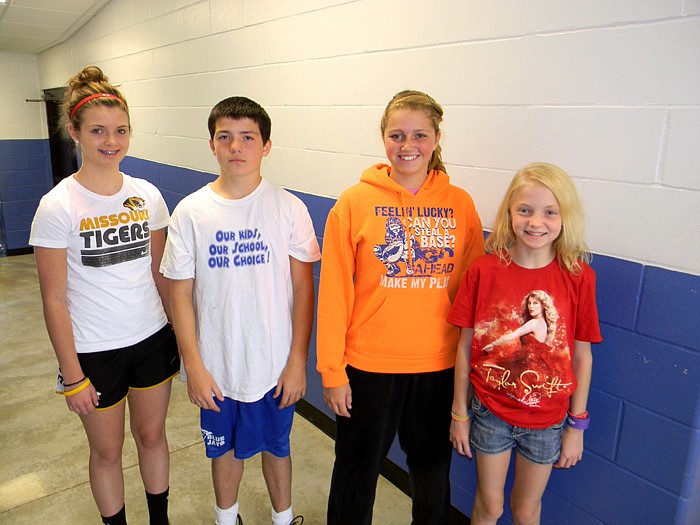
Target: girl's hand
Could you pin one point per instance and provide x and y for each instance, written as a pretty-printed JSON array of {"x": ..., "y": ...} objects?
[
  {"x": 571, "y": 448},
  {"x": 339, "y": 399},
  {"x": 84, "y": 402},
  {"x": 459, "y": 436}
]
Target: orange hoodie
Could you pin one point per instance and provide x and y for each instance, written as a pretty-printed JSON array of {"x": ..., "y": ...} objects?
[{"x": 392, "y": 263}]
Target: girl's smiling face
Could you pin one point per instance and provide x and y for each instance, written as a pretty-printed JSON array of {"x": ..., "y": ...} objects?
[
  {"x": 409, "y": 140},
  {"x": 104, "y": 135},
  {"x": 535, "y": 219}
]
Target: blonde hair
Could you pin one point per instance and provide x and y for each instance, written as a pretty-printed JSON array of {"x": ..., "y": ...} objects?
[
  {"x": 417, "y": 100},
  {"x": 570, "y": 246},
  {"x": 90, "y": 81}
]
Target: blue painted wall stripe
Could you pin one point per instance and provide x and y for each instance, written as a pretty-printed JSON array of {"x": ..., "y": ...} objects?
[{"x": 25, "y": 176}]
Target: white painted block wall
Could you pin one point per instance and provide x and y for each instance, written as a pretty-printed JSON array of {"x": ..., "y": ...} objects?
[
  {"x": 19, "y": 81},
  {"x": 608, "y": 90}
]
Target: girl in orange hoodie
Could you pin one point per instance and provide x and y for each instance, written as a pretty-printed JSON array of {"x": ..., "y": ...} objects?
[{"x": 396, "y": 247}]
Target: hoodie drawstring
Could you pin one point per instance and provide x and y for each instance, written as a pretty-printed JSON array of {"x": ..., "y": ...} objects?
[{"x": 407, "y": 234}]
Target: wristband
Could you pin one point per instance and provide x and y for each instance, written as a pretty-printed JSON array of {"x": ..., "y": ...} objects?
[
  {"x": 461, "y": 419},
  {"x": 578, "y": 423},
  {"x": 79, "y": 389},
  {"x": 76, "y": 382},
  {"x": 578, "y": 416}
]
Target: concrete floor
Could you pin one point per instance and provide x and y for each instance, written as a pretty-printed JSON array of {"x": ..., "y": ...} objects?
[{"x": 43, "y": 449}]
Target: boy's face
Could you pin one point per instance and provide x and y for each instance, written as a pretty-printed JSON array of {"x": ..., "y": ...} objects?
[{"x": 238, "y": 147}]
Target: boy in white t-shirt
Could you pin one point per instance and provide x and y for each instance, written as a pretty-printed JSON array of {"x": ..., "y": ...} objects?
[{"x": 239, "y": 255}]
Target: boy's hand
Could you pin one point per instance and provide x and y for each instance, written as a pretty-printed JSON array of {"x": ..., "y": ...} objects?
[
  {"x": 292, "y": 383},
  {"x": 571, "y": 448},
  {"x": 202, "y": 389},
  {"x": 339, "y": 399},
  {"x": 459, "y": 436}
]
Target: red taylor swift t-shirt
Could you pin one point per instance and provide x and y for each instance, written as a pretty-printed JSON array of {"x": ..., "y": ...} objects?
[{"x": 533, "y": 316}]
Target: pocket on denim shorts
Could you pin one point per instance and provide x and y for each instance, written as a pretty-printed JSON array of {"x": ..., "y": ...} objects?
[{"x": 478, "y": 408}]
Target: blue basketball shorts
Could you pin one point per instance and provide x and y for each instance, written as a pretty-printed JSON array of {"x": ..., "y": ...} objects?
[{"x": 247, "y": 428}]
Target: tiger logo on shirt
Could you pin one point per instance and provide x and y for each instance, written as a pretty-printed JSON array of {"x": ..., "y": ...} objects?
[{"x": 135, "y": 203}]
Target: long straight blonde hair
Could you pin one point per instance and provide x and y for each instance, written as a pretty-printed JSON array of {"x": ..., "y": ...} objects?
[{"x": 571, "y": 245}]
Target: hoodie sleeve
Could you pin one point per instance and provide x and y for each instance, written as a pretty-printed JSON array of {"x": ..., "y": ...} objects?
[
  {"x": 475, "y": 246},
  {"x": 474, "y": 239},
  {"x": 336, "y": 297}
]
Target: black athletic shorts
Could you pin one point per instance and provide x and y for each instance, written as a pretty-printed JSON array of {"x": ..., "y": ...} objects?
[{"x": 144, "y": 365}]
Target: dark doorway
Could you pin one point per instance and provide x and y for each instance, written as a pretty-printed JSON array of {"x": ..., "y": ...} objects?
[{"x": 64, "y": 159}]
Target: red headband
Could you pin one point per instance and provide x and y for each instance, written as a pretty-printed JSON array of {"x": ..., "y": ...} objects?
[{"x": 92, "y": 97}]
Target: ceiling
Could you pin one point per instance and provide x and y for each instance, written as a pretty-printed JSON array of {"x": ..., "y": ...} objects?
[{"x": 32, "y": 26}]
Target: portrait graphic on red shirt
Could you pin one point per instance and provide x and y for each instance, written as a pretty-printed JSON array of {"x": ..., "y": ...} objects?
[{"x": 524, "y": 350}]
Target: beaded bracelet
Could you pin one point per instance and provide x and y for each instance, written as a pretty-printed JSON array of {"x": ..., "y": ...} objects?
[
  {"x": 459, "y": 418},
  {"x": 76, "y": 383},
  {"x": 79, "y": 389}
]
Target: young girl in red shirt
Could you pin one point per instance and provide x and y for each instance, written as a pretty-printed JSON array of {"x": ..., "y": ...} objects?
[{"x": 528, "y": 316}]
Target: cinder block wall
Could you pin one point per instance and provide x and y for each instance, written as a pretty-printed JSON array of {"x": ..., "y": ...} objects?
[
  {"x": 608, "y": 90},
  {"x": 25, "y": 171}
]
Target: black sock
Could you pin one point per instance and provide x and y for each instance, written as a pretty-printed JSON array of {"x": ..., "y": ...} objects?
[
  {"x": 158, "y": 507},
  {"x": 118, "y": 519}
]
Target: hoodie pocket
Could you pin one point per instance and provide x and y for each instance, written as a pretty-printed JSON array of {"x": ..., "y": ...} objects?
[{"x": 404, "y": 325}]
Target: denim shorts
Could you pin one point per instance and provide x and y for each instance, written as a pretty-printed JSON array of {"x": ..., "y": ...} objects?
[{"x": 491, "y": 435}]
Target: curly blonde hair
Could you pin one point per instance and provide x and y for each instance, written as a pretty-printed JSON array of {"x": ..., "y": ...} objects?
[{"x": 570, "y": 245}]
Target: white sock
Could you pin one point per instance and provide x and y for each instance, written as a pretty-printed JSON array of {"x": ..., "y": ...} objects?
[
  {"x": 226, "y": 516},
  {"x": 282, "y": 518}
]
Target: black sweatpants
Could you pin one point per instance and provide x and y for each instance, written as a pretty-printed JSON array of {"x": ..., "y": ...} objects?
[{"x": 418, "y": 407}]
